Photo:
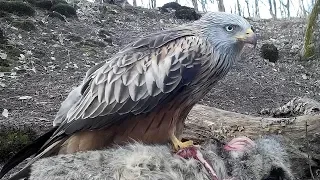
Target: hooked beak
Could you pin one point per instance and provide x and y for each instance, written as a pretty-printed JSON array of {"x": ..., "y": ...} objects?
[{"x": 248, "y": 37}]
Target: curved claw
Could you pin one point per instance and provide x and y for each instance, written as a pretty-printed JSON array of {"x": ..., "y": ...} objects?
[{"x": 177, "y": 144}]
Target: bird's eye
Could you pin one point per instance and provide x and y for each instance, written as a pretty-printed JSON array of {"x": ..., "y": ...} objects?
[{"x": 229, "y": 28}]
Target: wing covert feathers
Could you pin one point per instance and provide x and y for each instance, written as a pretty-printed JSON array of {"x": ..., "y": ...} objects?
[{"x": 137, "y": 79}]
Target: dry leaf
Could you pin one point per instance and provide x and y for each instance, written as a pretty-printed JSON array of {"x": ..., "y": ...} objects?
[
  {"x": 304, "y": 76},
  {"x": 3, "y": 55},
  {"x": 29, "y": 53},
  {"x": 22, "y": 57},
  {"x": 5, "y": 113},
  {"x": 24, "y": 97}
]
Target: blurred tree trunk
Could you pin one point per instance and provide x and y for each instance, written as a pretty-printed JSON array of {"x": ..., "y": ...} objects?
[
  {"x": 256, "y": 4},
  {"x": 287, "y": 7},
  {"x": 248, "y": 8},
  {"x": 203, "y": 5},
  {"x": 221, "y": 6},
  {"x": 302, "y": 8},
  {"x": 195, "y": 5},
  {"x": 239, "y": 8},
  {"x": 275, "y": 8},
  {"x": 281, "y": 8},
  {"x": 153, "y": 4},
  {"x": 311, "y": 46},
  {"x": 134, "y": 2},
  {"x": 270, "y": 9}
]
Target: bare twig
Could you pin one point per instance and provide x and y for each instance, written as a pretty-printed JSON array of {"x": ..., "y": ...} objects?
[{"x": 308, "y": 151}]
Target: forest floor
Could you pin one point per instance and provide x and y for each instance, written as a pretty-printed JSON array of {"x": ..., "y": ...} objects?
[{"x": 56, "y": 55}]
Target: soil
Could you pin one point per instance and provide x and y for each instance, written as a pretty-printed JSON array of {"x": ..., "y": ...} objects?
[{"x": 56, "y": 55}]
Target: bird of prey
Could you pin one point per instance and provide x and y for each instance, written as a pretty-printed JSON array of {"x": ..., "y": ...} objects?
[{"x": 145, "y": 91}]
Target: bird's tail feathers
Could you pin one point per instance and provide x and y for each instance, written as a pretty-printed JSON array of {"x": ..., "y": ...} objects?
[{"x": 25, "y": 171}]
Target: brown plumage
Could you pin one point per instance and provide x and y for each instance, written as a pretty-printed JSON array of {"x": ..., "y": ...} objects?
[{"x": 145, "y": 91}]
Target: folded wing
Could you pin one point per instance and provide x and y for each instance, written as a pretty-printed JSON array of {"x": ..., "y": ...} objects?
[{"x": 144, "y": 75}]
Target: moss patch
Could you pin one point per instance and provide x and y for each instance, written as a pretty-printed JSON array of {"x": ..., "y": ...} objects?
[
  {"x": 5, "y": 69},
  {"x": 26, "y": 25},
  {"x": 17, "y": 7},
  {"x": 4, "y": 63},
  {"x": 13, "y": 139},
  {"x": 308, "y": 50},
  {"x": 65, "y": 9},
  {"x": 12, "y": 53},
  {"x": 46, "y": 4}
]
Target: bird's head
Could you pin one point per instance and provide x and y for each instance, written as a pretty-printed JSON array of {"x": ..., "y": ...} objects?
[{"x": 228, "y": 31}]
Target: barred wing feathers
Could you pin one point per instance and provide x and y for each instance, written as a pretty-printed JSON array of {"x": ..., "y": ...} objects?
[{"x": 139, "y": 78}]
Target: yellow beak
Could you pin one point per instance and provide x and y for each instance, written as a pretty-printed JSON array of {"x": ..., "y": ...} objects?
[{"x": 248, "y": 37}]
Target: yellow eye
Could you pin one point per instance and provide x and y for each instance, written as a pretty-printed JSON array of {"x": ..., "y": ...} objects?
[{"x": 229, "y": 28}]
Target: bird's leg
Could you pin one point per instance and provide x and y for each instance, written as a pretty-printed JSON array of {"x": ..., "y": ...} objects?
[{"x": 177, "y": 144}]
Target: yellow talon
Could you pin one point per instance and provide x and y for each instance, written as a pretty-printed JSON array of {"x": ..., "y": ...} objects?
[{"x": 177, "y": 144}]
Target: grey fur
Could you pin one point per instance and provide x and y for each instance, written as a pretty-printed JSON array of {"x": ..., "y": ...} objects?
[
  {"x": 146, "y": 162},
  {"x": 259, "y": 162}
]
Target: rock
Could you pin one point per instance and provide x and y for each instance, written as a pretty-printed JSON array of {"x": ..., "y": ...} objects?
[
  {"x": 17, "y": 7},
  {"x": 4, "y": 62},
  {"x": 47, "y": 4},
  {"x": 181, "y": 12},
  {"x": 44, "y": 4},
  {"x": 295, "y": 48},
  {"x": 93, "y": 43},
  {"x": 270, "y": 52},
  {"x": 55, "y": 14},
  {"x": 64, "y": 9},
  {"x": 121, "y": 3},
  {"x": 2, "y": 37},
  {"x": 74, "y": 38},
  {"x": 187, "y": 13},
  {"x": 105, "y": 35},
  {"x": 26, "y": 25},
  {"x": 168, "y": 6}
]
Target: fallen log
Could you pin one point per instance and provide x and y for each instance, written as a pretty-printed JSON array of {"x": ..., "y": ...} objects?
[{"x": 208, "y": 122}]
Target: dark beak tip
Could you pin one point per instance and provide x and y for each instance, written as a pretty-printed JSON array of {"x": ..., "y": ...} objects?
[{"x": 254, "y": 40}]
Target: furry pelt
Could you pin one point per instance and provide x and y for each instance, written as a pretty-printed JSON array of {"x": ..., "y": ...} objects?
[{"x": 267, "y": 160}]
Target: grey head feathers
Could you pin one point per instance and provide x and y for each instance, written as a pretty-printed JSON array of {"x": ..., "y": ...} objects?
[{"x": 222, "y": 29}]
